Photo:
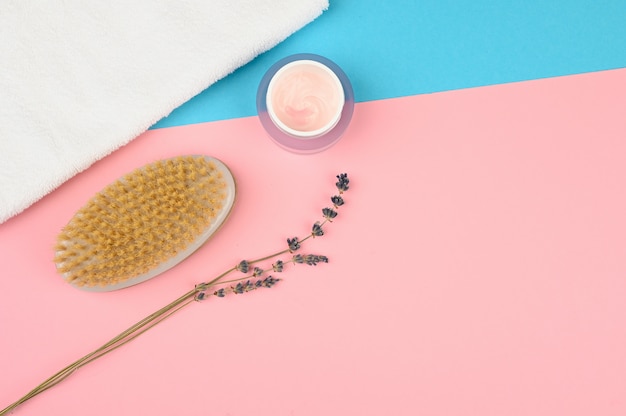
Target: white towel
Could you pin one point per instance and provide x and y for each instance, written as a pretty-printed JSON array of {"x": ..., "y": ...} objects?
[{"x": 79, "y": 79}]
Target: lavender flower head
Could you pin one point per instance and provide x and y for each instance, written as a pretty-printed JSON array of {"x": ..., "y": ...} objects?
[
  {"x": 342, "y": 182},
  {"x": 293, "y": 243}
]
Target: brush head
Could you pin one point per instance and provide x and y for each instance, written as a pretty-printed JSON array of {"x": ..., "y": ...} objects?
[{"x": 145, "y": 223}]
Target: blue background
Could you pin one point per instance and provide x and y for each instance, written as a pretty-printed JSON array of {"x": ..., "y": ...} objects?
[{"x": 406, "y": 47}]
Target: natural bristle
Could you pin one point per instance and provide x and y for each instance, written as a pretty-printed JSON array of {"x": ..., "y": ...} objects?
[{"x": 141, "y": 220}]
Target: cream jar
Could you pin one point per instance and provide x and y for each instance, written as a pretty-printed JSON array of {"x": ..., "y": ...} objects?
[{"x": 305, "y": 103}]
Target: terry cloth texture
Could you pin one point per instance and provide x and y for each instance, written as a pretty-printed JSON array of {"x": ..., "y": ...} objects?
[{"x": 80, "y": 79}]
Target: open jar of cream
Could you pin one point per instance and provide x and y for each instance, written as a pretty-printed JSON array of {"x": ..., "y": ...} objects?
[{"x": 305, "y": 103}]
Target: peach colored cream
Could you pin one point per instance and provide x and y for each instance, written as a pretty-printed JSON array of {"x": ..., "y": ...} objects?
[{"x": 305, "y": 97}]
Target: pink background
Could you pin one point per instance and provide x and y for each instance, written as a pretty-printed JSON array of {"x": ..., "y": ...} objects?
[{"x": 476, "y": 269}]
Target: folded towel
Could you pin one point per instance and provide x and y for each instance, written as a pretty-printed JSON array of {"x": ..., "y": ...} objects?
[{"x": 80, "y": 79}]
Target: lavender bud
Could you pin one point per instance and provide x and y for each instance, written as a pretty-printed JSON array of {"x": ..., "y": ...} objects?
[
  {"x": 248, "y": 286},
  {"x": 337, "y": 201},
  {"x": 293, "y": 243},
  {"x": 243, "y": 266},
  {"x": 278, "y": 266},
  {"x": 342, "y": 183},
  {"x": 317, "y": 230},
  {"x": 329, "y": 213},
  {"x": 270, "y": 281},
  {"x": 238, "y": 289}
]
